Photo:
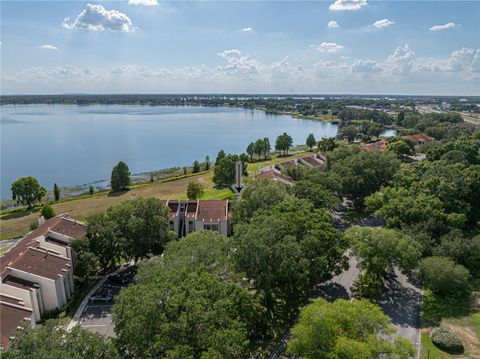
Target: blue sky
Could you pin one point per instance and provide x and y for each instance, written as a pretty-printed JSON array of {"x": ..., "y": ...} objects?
[{"x": 150, "y": 46}]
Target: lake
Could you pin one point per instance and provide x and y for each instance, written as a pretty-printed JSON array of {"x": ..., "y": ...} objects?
[{"x": 72, "y": 145}]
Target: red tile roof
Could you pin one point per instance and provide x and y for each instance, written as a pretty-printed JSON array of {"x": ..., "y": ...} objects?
[
  {"x": 312, "y": 161},
  {"x": 375, "y": 146},
  {"x": 18, "y": 282},
  {"x": 42, "y": 263},
  {"x": 273, "y": 175},
  {"x": 212, "y": 210},
  {"x": 60, "y": 224},
  {"x": 420, "y": 138},
  {"x": 12, "y": 317}
]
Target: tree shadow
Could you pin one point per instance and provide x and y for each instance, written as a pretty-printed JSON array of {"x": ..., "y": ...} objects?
[
  {"x": 118, "y": 193},
  {"x": 331, "y": 291},
  {"x": 20, "y": 214},
  {"x": 401, "y": 304}
]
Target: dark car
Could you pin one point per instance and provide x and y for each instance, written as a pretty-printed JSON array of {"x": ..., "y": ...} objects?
[
  {"x": 101, "y": 298},
  {"x": 118, "y": 279}
]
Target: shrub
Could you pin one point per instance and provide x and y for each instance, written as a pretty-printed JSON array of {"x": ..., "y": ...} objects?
[
  {"x": 446, "y": 340},
  {"x": 443, "y": 276},
  {"x": 48, "y": 211},
  {"x": 33, "y": 225}
]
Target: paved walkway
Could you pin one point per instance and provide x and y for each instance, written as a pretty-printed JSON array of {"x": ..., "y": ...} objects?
[{"x": 77, "y": 317}]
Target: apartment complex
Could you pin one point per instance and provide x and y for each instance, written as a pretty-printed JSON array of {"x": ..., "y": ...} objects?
[
  {"x": 188, "y": 216},
  {"x": 37, "y": 274}
]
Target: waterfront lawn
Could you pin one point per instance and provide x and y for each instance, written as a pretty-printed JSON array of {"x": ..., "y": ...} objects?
[{"x": 14, "y": 225}]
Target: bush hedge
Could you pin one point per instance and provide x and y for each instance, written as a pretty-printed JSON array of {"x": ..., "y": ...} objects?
[{"x": 446, "y": 340}]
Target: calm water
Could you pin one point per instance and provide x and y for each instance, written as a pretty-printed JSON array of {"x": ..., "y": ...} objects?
[{"x": 73, "y": 145}]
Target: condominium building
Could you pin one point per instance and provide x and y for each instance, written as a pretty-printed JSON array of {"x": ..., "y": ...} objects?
[{"x": 37, "y": 273}]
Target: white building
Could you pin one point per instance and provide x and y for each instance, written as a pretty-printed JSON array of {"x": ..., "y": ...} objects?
[{"x": 37, "y": 274}]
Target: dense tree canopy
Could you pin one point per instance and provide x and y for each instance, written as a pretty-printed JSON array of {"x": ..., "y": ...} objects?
[
  {"x": 364, "y": 173},
  {"x": 27, "y": 191},
  {"x": 311, "y": 141},
  {"x": 53, "y": 341},
  {"x": 259, "y": 194},
  {"x": 285, "y": 250},
  {"x": 443, "y": 276},
  {"x": 346, "y": 330},
  {"x": 283, "y": 143}
]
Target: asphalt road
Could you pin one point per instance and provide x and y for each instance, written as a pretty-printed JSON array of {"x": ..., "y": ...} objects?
[{"x": 97, "y": 318}]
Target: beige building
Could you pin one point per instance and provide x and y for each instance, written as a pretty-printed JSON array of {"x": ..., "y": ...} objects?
[
  {"x": 37, "y": 274},
  {"x": 196, "y": 215}
]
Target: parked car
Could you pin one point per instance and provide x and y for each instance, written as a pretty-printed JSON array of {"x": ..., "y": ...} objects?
[
  {"x": 101, "y": 298},
  {"x": 118, "y": 279}
]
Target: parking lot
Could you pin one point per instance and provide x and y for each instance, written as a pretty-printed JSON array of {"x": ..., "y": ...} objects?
[{"x": 97, "y": 316}]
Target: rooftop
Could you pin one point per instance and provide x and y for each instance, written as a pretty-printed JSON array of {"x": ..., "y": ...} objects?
[
  {"x": 212, "y": 210},
  {"x": 42, "y": 263},
  {"x": 12, "y": 317}
]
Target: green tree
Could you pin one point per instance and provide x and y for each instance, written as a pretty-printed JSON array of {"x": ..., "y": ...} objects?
[
  {"x": 183, "y": 312},
  {"x": 326, "y": 144},
  {"x": 104, "y": 240},
  {"x": 260, "y": 194},
  {"x": 284, "y": 250},
  {"x": 400, "y": 148},
  {"x": 348, "y": 133},
  {"x": 196, "y": 167},
  {"x": 207, "y": 162},
  {"x": 251, "y": 150},
  {"x": 283, "y": 143},
  {"x": 185, "y": 170},
  {"x": 195, "y": 190},
  {"x": 48, "y": 211},
  {"x": 56, "y": 192},
  {"x": 316, "y": 193},
  {"x": 120, "y": 177},
  {"x": 379, "y": 250},
  {"x": 221, "y": 154},
  {"x": 86, "y": 263},
  {"x": 27, "y": 191},
  {"x": 311, "y": 141},
  {"x": 462, "y": 249},
  {"x": 142, "y": 227},
  {"x": 90, "y": 190},
  {"x": 365, "y": 172},
  {"x": 53, "y": 341},
  {"x": 258, "y": 148},
  {"x": 443, "y": 276},
  {"x": 266, "y": 147},
  {"x": 347, "y": 330},
  {"x": 224, "y": 172}
]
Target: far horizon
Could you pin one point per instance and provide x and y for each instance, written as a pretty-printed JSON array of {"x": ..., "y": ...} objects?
[{"x": 152, "y": 47}]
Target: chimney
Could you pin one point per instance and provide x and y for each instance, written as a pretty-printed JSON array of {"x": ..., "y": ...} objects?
[{"x": 41, "y": 220}]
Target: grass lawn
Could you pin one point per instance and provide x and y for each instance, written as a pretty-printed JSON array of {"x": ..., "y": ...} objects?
[
  {"x": 5, "y": 249},
  {"x": 458, "y": 315},
  {"x": 14, "y": 224}
]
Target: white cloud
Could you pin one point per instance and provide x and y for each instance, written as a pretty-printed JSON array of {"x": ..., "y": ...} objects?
[
  {"x": 247, "y": 29},
  {"x": 97, "y": 18},
  {"x": 446, "y": 26},
  {"x": 333, "y": 24},
  {"x": 383, "y": 23},
  {"x": 401, "y": 61},
  {"x": 143, "y": 2},
  {"x": 367, "y": 66},
  {"x": 238, "y": 64},
  {"x": 347, "y": 5},
  {"x": 329, "y": 47},
  {"x": 48, "y": 47}
]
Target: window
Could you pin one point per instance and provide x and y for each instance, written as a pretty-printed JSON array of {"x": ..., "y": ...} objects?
[
  {"x": 190, "y": 226},
  {"x": 172, "y": 227},
  {"x": 211, "y": 227}
]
